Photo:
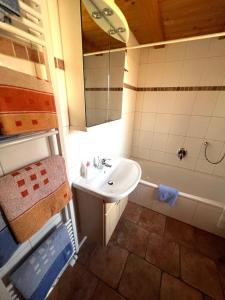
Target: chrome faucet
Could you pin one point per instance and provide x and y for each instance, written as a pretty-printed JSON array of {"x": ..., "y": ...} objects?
[
  {"x": 99, "y": 163},
  {"x": 104, "y": 162}
]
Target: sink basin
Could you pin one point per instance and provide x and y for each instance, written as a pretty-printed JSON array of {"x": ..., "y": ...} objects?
[{"x": 112, "y": 184}]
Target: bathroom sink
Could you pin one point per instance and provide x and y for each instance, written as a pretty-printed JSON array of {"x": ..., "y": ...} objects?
[{"x": 112, "y": 184}]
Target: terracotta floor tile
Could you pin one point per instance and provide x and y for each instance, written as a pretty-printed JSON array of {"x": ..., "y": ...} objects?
[
  {"x": 210, "y": 244},
  {"x": 152, "y": 221},
  {"x": 75, "y": 283},
  {"x": 140, "y": 280},
  {"x": 174, "y": 289},
  {"x": 164, "y": 254},
  {"x": 200, "y": 272},
  {"x": 180, "y": 232},
  {"x": 103, "y": 292},
  {"x": 221, "y": 267},
  {"x": 108, "y": 263},
  {"x": 85, "y": 252},
  {"x": 131, "y": 237},
  {"x": 132, "y": 212}
]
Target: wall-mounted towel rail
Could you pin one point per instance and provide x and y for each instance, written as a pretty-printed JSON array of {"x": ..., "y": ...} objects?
[
  {"x": 13, "y": 292},
  {"x": 26, "y": 138},
  {"x": 29, "y": 25}
]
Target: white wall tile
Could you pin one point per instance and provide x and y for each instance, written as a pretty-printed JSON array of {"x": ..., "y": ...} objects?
[
  {"x": 157, "y": 155},
  {"x": 150, "y": 101},
  {"x": 165, "y": 102},
  {"x": 214, "y": 71},
  {"x": 154, "y": 74},
  {"x": 175, "y": 52},
  {"x": 198, "y": 126},
  {"x": 147, "y": 121},
  {"x": 171, "y": 73},
  {"x": 144, "y": 56},
  {"x": 205, "y": 102},
  {"x": 174, "y": 142},
  {"x": 219, "y": 110},
  {"x": 197, "y": 49},
  {"x": 193, "y": 145},
  {"x": 217, "y": 47},
  {"x": 157, "y": 55},
  {"x": 159, "y": 141},
  {"x": 179, "y": 124},
  {"x": 216, "y": 129},
  {"x": 204, "y": 166},
  {"x": 193, "y": 71},
  {"x": 162, "y": 123},
  {"x": 145, "y": 138},
  {"x": 184, "y": 102}
]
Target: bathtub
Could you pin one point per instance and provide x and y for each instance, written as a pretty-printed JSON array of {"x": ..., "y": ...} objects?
[{"x": 201, "y": 198}]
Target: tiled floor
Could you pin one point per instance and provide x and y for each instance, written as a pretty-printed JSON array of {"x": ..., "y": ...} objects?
[{"x": 149, "y": 257}]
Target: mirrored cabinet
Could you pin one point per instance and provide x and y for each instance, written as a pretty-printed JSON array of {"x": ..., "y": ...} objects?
[{"x": 103, "y": 84}]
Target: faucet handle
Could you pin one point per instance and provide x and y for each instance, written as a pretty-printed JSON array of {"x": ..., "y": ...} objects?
[{"x": 103, "y": 160}]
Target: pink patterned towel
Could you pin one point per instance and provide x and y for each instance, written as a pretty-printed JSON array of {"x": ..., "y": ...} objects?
[{"x": 33, "y": 194}]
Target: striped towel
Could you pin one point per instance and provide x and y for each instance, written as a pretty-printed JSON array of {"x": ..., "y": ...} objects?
[
  {"x": 7, "y": 243},
  {"x": 26, "y": 103},
  {"x": 36, "y": 275},
  {"x": 31, "y": 196}
]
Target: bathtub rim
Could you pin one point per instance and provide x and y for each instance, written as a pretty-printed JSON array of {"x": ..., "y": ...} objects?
[{"x": 210, "y": 202}]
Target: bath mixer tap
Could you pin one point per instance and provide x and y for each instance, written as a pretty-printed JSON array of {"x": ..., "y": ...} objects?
[{"x": 181, "y": 153}]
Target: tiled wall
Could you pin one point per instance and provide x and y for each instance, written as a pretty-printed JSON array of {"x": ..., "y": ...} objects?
[{"x": 183, "y": 106}]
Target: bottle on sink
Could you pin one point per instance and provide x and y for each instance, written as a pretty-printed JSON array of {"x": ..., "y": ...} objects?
[{"x": 85, "y": 169}]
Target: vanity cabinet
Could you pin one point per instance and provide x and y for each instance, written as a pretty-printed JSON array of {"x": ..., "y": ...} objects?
[
  {"x": 97, "y": 219},
  {"x": 112, "y": 214}
]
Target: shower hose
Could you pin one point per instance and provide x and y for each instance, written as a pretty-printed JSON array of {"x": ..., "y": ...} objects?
[{"x": 212, "y": 162}]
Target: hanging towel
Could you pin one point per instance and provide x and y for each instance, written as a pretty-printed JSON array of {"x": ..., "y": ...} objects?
[
  {"x": 36, "y": 275},
  {"x": 8, "y": 244},
  {"x": 11, "y": 6},
  {"x": 167, "y": 194},
  {"x": 26, "y": 103},
  {"x": 30, "y": 196}
]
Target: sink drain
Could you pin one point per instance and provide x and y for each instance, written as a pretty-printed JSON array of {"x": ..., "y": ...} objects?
[{"x": 110, "y": 182}]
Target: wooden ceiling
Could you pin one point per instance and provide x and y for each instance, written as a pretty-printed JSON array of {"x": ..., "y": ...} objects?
[{"x": 158, "y": 20}]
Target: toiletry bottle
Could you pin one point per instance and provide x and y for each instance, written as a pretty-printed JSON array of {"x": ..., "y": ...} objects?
[{"x": 87, "y": 169}]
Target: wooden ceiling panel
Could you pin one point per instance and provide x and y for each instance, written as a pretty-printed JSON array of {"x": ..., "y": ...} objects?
[{"x": 158, "y": 20}]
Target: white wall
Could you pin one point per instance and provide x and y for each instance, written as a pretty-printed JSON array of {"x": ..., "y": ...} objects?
[{"x": 168, "y": 120}]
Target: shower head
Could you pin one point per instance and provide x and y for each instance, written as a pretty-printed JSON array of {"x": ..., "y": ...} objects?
[{"x": 109, "y": 18}]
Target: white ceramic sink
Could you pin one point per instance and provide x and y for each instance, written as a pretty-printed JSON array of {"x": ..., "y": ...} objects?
[{"x": 112, "y": 184}]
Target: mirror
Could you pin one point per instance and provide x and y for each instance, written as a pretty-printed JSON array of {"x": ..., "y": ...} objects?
[
  {"x": 103, "y": 73},
  {"x": 103, "y": 79}
]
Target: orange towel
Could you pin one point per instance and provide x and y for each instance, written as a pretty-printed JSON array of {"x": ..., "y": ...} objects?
[
  {"x": 30, "y": 196},
  {"x": 26, "y": 103}
]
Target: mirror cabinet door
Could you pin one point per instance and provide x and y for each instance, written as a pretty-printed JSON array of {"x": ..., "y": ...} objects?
[{"x": 103, "y": 78}]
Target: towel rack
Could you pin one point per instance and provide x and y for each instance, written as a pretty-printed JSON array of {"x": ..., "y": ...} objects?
[
  {"x": 29, "y": 25},
  {"x": 68, "y": 211},
  {"x": 14, "y": 293}
]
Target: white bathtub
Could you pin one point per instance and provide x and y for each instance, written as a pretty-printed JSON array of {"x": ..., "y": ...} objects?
[{"x": 201, "y": 198}]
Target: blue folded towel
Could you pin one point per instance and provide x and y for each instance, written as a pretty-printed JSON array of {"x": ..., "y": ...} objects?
[
  {"x": 167, "y": 194},
  {"x": 36, "y": 275},
  {"x": 8, "y": 245}
]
